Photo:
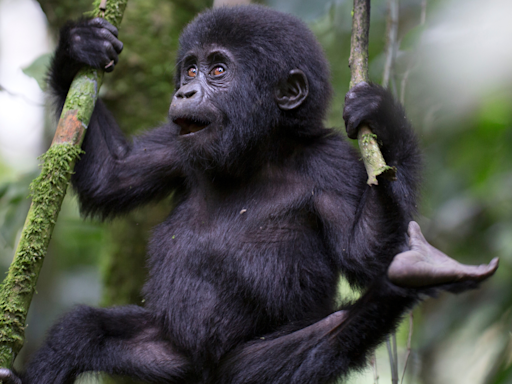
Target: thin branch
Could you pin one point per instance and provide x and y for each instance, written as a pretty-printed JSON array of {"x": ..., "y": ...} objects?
[
  {"x": 391, "y": 41},
  {"x": 358, "y": 63},
  {"x": 409, "y": 343},
  {"x": 375, "y": 370},
  {"x": 403, "y": 84},
  {"x": 423, "y": 18},
  {"x": 413, "y": 62},
  {"x": 392, "y": 362},
  {"x": 395, "y": 357}
]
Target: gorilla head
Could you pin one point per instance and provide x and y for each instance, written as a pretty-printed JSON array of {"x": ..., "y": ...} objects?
[{"x": 248, "y": 78}]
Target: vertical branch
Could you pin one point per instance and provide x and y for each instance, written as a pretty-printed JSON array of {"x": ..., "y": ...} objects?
[
  {"x": 358, "y": 60},
  {"x": 391, "y": 44},
  {"x": 409, "y": 343},
  {"x": 358, "y": 63},
  {"x": 423, "y": 17},
  {"x": 48, "y": 191},
  {"x": 392, "y": 361},
  {"x": 412, "y": 63},
  {"x": 375, "y": 370},
  {"x": 395, "y": 359}
]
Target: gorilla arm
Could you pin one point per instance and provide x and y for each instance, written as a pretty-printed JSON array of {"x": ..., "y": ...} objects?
[
  {"x": 113, "y": 175},
  {"x": 366, "y": 232}
]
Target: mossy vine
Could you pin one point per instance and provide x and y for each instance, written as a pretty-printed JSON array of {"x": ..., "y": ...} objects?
[{"x": 47, "y": 192}]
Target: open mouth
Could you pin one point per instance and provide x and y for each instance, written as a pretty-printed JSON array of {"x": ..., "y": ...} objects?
[{"x": 190, "y": 125}]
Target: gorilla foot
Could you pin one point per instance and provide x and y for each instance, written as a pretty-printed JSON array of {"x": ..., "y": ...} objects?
[{"x": 425, "y": 266}]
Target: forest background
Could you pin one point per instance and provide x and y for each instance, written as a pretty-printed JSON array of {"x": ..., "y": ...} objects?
[{"x": 452, "y": 67}]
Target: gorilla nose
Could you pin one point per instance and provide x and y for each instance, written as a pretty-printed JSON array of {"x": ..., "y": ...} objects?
[
  {"x": 188, "y": 91},
  {"x": 186, "y": 95}
]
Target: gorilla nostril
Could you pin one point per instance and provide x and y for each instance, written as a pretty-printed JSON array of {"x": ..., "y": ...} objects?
[
  {"x": 190, "y": 93},
  {"x": 186, "y": 94}
]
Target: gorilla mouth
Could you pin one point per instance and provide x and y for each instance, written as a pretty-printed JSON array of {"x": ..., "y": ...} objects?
[{"x": 190, "y": 125}]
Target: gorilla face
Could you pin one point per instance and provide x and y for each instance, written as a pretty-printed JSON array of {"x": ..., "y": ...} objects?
[
  {"x": 206, "y": 75},
  {"x": 222, "y": 110}
]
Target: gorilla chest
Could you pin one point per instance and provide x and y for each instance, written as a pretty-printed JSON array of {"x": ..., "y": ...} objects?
[
  {"x": 247, "y": 264},
  {"x": 246, "y": 247},
  {"x": 240, "y": 231}
]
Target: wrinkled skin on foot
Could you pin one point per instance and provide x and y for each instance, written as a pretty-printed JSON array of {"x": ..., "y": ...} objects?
[{"x": 426, "y": 266}]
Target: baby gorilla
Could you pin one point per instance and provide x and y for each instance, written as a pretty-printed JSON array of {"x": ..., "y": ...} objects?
[{"x": 271, "y": 208}]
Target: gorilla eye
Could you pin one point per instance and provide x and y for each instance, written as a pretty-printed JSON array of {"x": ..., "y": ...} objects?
[
  {"x": 192, "y": 72},
  {"x": 218, "y": 70}
]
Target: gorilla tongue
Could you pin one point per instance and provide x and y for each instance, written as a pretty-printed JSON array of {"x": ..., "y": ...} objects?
[{"x": 189, "y": 125}]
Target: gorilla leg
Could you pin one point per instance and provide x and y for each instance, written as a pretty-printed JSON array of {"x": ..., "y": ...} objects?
[
  {"x": 323, "y": 351},
  {"x": 119, "y": 341},
  {"x": 332, "y": 346}
]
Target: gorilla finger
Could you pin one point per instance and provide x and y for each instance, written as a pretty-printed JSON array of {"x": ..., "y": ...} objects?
[
  {"x": 102, "y": 23},
  {"x": 105, "y": 62},
  {"x": 352, "y": 133},
  {"x": 107, "y": 35},
  {"x": 352, "y": 127},
  {"x": 111, "y": 52},
  {"x": 109, "y": 67},
  {"x": 351, "y": 115},
  {"x": 118, "y": 46}
]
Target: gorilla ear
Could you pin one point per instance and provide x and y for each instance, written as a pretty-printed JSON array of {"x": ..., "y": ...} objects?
[{"x": 291, "y": 93}]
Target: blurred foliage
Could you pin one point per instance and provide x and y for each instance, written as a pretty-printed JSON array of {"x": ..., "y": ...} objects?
[
  {"x": 466, "y": 208},
  {"x": 38, "y": 68}
]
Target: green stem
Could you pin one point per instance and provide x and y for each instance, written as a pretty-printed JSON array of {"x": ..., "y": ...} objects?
[{"x": 48, "y": 191}]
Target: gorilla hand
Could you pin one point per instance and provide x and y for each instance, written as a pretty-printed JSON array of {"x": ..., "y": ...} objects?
[
  {"x": 91, "y": 42},
  {"x": 372, "y": 105}
]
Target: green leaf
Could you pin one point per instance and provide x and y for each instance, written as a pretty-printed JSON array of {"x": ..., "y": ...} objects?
[{"x": 37, "y": 70}]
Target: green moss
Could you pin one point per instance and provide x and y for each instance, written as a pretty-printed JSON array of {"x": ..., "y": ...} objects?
[
  {"x": 16, "y": 292},
  {"x": 367, "y": 138},
  {"x": 83, "y": 94},
  {"x": 114, "y": 12}
]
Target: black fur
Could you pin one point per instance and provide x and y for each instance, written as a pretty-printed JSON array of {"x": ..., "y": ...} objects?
[{"x": 271, "y": 209}]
